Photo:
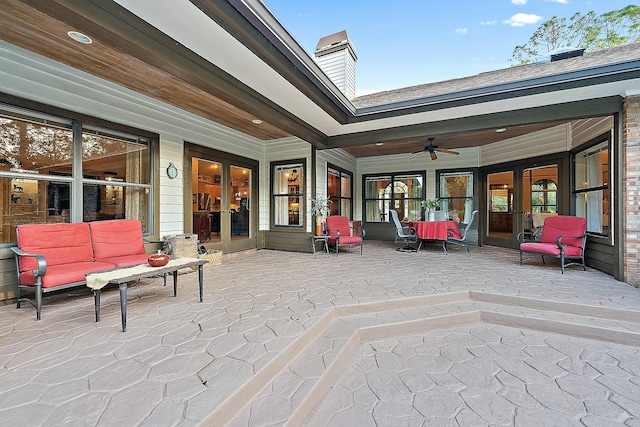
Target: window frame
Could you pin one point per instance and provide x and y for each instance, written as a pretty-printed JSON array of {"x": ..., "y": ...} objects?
[
  {"x": 301, "y": 194},
  {"x": 607, "y": 138},
  {"x": 338, "y": 199},
  {"x": 475, "y": 174},
  {"x": 392, "y": 177},
  {"x": 78, "y": 125}
]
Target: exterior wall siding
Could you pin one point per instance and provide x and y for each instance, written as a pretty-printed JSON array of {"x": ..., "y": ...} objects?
[
  {"x": 583, "y": 131},
  {"x": 546, "y": 141},
  {"x": 631, "y": 188}
]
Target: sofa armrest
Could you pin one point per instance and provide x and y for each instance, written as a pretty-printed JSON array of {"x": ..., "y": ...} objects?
[
  {"x": 561, "y": 245},
  {"x": 528, "y": 236},
  {"x": 40, "y": 259}
]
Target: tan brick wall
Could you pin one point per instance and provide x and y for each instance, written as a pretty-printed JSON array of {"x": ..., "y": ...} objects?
[{"x": 631, "y": 189}]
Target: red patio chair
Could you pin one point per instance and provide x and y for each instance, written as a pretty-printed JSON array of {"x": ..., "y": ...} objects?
[
  {"x": 339, "y": 232},
  {"x": 562, "y": 237}
]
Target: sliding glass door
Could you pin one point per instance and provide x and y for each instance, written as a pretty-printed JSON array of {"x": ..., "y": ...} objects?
[
  {"x": 223, "y": 191},
  {"x": 518, "y": 199}
]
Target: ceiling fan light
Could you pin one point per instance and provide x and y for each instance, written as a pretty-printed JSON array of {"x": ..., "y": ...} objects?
[{"x": 433, "y": 155}]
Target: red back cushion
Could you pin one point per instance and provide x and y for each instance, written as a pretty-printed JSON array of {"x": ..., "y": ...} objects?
[
  {"x": 555, "y": 226},
  {"x": 337, "y": 223},
  {"x": 59, "y": 243},
  {"x": 118, "y": 237}
]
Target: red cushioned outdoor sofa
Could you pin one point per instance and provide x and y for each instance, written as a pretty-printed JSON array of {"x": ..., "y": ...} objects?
[
  {"x": 339, "y": 231},
  {"x": 562, "y": 237},
  {"x": 58, "y": 256}
]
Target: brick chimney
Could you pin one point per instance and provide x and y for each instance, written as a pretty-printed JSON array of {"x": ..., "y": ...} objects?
[{"x": 337, "y": 58}]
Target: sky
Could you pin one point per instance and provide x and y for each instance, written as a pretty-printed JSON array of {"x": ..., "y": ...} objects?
[{"x": 402, "y": 43}]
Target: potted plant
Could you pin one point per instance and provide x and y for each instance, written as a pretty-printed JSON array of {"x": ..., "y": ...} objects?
[
  {"x": 320, "y": 209},
  {"x": 431, "y": 205}
]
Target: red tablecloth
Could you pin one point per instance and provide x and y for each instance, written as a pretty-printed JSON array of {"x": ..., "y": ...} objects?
[{"x": 434, "y": 230}]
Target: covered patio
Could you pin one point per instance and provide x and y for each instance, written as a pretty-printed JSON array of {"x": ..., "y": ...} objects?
[{"x": 385, "y": 338}]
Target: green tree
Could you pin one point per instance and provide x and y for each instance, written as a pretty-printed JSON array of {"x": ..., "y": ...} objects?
[{"x": 588, "y": 31}]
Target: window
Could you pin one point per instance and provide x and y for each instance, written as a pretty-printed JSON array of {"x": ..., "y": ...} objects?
[
  {"x": 591, "y": 191},
  {"x": 39, "y": 175},
  {"x": 288, "y": 194},
  {"x": 339, "y": 190},
  {"x": 543, "y": 196},
  {"x": 456, "y": 195},
  {"x": 402, "y": 192}
]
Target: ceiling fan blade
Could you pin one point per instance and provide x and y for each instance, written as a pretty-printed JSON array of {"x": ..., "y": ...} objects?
[
  {"x": 433, "y": 155},
  {"x": 444, "y": 150},
  {"x": 419, "y": 151}
]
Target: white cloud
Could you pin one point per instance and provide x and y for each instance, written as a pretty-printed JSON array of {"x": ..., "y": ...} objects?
[
  {"x": 518, "y": 1},
  {"x": 557, "y": 1},
  {"x": 462, "y": 30},
  {"x": 494, "y": 22},
  {"x": 522, "y": 19}
]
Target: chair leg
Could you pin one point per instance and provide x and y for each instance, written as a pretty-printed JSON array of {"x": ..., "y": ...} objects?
[
  {"x": 562, "y": 261},
  {"x": 467, "y": 248},
  {"x": 38, "y": 297}
]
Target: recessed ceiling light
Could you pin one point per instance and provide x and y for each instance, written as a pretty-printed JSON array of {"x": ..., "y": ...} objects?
[
  {"x": 256, "y": 121},
  {"x": 501, "y": 130},
  {"x": 379, "y": 143},
  {"x": 79, "y": 37}
]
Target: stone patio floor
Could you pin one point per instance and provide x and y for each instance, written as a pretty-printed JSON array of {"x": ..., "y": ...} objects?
[{"x": 386, "y": 338}]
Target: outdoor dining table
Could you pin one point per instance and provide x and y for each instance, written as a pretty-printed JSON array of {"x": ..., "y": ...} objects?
[{"x": 435, "y": 230}]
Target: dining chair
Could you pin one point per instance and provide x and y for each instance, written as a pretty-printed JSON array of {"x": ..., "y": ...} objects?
[
  {"x": 404, "y": 234},
  {"x": 458, "y": 236}
]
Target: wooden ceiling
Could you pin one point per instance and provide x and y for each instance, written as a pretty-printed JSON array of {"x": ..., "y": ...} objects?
[
  {"x": 451, "y": 141},
  {"x": 110, "y": 58},
  {"x": 127, "y": 56}
]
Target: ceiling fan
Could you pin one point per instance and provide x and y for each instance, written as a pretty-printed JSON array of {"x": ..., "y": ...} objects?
[{"x": 431, "y": 149}]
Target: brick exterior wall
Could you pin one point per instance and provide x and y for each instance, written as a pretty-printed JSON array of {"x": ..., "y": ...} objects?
[{"x": 631, "y": 189}]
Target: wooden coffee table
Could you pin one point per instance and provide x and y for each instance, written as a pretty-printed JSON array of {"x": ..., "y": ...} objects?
[{"x": 130, "y": 274}]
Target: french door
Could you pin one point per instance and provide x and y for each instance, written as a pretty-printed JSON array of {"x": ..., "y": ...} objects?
[
  {"x": 223, "y": 195},
  {"x": 518, "y": 198}
]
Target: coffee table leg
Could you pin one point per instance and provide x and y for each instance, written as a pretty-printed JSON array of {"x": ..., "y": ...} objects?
[
  {"x": 123, "y": 305},
  {"x": 175, "y": 283},
  {"x": 200, "y": 279},
  {"x": 96, "y": 302}
]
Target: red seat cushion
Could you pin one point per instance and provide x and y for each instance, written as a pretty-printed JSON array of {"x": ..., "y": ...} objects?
[
  {"x": 347, "y": 240},
  {"x": 550, "y": 249},
  {"x": 59, "y": 243},
  {"x": 116, "y": 238},
  {"x": 63, "y": 274}
]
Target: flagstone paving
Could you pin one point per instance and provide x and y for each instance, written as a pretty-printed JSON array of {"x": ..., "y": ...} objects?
[{"x": 386, "y": 338}]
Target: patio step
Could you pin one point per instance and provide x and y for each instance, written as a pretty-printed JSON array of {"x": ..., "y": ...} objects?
[{"x": 292, "y": 386}]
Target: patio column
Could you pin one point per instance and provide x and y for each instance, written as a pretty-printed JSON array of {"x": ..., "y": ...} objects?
[{"x": 631, "y": 187}]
